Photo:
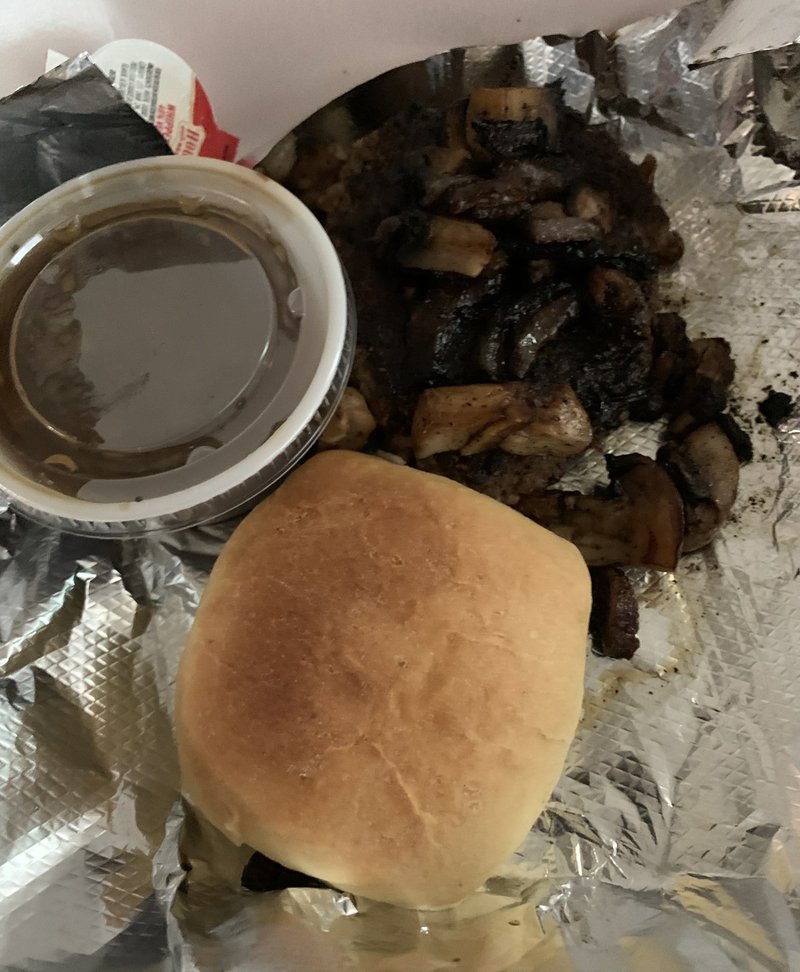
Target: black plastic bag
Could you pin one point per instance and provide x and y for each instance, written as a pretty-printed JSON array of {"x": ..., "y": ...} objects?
[{"x": 69, "y": 122}]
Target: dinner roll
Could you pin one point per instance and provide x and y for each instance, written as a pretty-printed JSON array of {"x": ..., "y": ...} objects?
[{"x": 383, "y": 679}]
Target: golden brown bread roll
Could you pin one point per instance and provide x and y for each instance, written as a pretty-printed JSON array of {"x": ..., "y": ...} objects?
[{"x": 383, "y": 679}]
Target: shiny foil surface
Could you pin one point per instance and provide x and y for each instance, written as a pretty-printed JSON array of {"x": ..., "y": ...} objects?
[{"x": 672, "y": 841}]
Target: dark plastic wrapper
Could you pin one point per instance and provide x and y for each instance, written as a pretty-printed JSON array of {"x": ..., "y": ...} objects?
[{"x": 67, "y": 123}]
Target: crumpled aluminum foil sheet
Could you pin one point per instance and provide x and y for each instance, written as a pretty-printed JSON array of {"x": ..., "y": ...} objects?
[
  {"x": 673, "y": 839},
  {"x": 776, "y": 75}
]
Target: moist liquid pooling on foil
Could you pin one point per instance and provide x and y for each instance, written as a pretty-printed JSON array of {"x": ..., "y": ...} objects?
[{"x": 669, "y": 842}]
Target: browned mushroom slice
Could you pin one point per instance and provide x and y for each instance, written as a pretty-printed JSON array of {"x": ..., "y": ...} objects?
[
  {"x": 593, "y": 204},
  {"x": 705, "y": 467},
  {"x": 474, "y": 418},
  {"x": 531, "y": 333},
  {"x": 637, "y": 523},
  {"x": 351, "y": 425},
  {"x": 439, "y": 187},
  {"x": 614, "y": 621},
  {"x": 453, "y": 245},
  {"x": 664, "y": 243},
  {"x": 714, "y": 360},
  {"x": 447, "y": 159},
  {"x": 510, "y": 122},
  {"x": 447, "y": 418},
  {"x": 563, "y": 229},
  {"x": 682, "y": 425},
  {"x": 738, "y": 438},
  {"x": 512, "y": 191},
  {"x": 539, "y": 270},
  {"x": 548, "y": 210},
  {"x": 486, "y": 199},
  {"x": 559, "y": 426}
]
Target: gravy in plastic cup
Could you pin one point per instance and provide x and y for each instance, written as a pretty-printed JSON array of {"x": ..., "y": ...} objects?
[{"x": 174, "y": 335}]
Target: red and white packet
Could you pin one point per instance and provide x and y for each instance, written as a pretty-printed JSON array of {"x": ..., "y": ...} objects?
[{"x": 164, "y": 90}]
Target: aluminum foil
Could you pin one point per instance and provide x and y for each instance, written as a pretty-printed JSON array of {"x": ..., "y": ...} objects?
[
  {"x": 776, "y": 83},
  {"x": 672, "y": 841}
]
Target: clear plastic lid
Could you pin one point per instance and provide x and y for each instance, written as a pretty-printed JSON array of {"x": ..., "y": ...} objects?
[{"x": 175, "y": 334}]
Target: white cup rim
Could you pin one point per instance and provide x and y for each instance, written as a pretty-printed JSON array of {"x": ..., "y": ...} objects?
[{"x": 277, "y": 203}]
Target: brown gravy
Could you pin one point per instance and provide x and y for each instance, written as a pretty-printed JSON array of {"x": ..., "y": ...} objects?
[{"x": 139, "y": 344}]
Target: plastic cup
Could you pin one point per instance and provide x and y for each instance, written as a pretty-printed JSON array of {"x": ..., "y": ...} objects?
[{"x": 222, "y": 480}]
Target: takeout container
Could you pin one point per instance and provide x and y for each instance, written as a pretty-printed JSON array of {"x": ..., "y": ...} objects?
[{"x": 316, "y": 375}]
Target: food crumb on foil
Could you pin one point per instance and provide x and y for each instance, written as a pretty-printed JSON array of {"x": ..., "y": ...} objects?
[{"x": 671, "y": 841}]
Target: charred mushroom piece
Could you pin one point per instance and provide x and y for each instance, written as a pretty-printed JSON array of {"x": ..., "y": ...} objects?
[
  {"x": 615, "y": 294},
  {"x": 592, "y": 204},
  {"x": 351, "y": 425},
  {"x": 671, "y": 366},
  {"x": 514, "y": 189},
  {"x": 448, "y": 159},
  {"x": 605, "y": 352},
  {"x": 437, "y": 243},
  {"x": 581, "y": 256},
  {"x": 492, "y": 349},
  {"x": 706, "y": 470},
  {"x": 703, "y": 394},
  {"x": 669, "y": 334},
  {"x": 663, "y": 242},
  {"x": 475, "y": 418},
  {"x": 638, "y": 522},
  {"x": 507, "y": 123},
  {"x": 378, "y": 370},
  {"x": 543, "y": 183},
  {"x": 647, "y": 169},
  {"x": 714, "y": 360},
  {"x": 614, "y": 621},
  {"x": 539, "y": 270},
  {"x": 486, "y": 199},
  {"x": 507, "y": 326},
  {"x": 531, "y": 334},
  {"x": 496, "y": 473},
  {"x": 509, "y": 194},
  {"x": 385, "y": 403},
  {"x": 443, "y": 330}
]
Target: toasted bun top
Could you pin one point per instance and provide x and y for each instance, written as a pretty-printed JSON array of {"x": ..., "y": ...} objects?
[{"x": 383, "y": 679}]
